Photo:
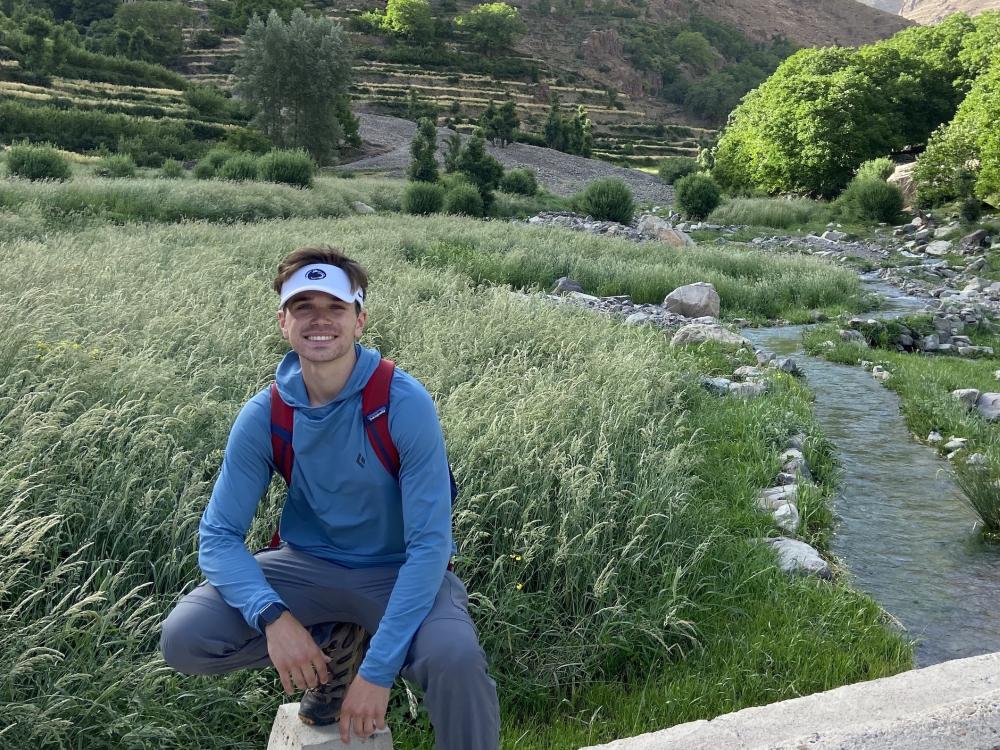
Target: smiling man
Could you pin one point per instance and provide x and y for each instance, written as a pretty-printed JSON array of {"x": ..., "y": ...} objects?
[{"x": 366, "y": 531}]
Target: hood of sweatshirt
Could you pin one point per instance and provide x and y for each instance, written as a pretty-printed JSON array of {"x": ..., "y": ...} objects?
[{"x": 292, "y": 387}]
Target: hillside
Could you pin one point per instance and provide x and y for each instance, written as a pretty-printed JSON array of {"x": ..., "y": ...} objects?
[
  {"x": 932, "y": 11},
  {"x": 646, "y": 100}
]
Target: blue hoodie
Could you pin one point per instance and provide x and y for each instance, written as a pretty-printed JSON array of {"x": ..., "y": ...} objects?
[{"x": 343, "y": 505}]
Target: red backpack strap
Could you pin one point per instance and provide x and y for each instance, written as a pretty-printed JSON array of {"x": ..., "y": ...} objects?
[
  {"x": 375, "y": 413},
  {"x": 282, "y": 422}
]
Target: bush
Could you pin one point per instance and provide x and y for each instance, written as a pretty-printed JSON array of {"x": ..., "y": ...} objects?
[
  {"x": 520, "y": 182},
  {"x": 607, "y": 199},
  {"x": 205, "y": 39},
  {"x": 423, "y": 198},
  {"x": 771, "y": 212},
  {"x": 116, "y": 165},
  {"x": 697, "y": 195},
  {"x": 980, "y": 485},
  {"x": 293, "y": 167},
  {"x": 970, "y": 209},
  {"x": 871, "y": 199},
  {"x": 463, "y": 199},
  {"x": 672, "y": 168},
  {"x": 204, "y": 170},
  {"x": 879, "y": 169},
  {"x": 172, "y": 169},
  {"x": 240, "y": 168},
  {"x": 37, "y": 162}
]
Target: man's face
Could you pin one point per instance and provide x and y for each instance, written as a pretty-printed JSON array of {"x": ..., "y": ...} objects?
[{"x": 320, "y": 327}]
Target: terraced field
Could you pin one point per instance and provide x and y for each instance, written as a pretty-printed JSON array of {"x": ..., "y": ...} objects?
[{"x": 383, "y": 87}]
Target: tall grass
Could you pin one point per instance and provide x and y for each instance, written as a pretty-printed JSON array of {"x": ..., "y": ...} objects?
[
  {"x": 70, "y": 204},
  {"x": 603, "y": 546},
  {"x": 779, "y": 213}
]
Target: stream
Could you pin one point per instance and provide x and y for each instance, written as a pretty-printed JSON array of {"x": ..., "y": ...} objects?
[{"x": 904, "y": 532}]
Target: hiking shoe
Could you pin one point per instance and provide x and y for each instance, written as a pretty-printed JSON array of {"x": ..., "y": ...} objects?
[{"x": 321, "y": 705}]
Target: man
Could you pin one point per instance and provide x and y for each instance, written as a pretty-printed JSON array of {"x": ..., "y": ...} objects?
[{"x": 362, "y": 549}]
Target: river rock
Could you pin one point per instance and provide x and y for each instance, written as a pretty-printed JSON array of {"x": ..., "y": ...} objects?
[
  {"x": 968, "y": 396},
  {"x": 784, "y": 478},
  {"x": 718, "y": 386},
  {"x": 880, "y": 373},
  {"x": 785, "y": 364},
  {"x": 989, "y": 406},
  {"x": 934, "y": 437},
  {"x": 637, "y": 318},
  {"x": 974, "y": 239},
  {"x": 747, "y": 372},
  {"x": 977, "y": 459},
  {"x": 699, "y": 333},
  {"x": 763, "y": 357},
  {"x": 747, "y": 390},
  {"x": 852, "y": 336},
  {"x": 833, "y": 235},
  {"x": 565, "y": 285},
  {"x": 938, "y": 248},
  {"x": 955, "y": 443},
  {"x": 774, "y": 497},
  {"x": 362, "y": 208},
  {"x": 693, "y": 300},
  {"x": 786, "y": 517},
  {"x": 902, "y": 177},
  {"x": 656, "y": 228},
  {"x": 793, "y": 462},
  {"x": 797, "y": 557},
  {"x": 797, "y": 441}
]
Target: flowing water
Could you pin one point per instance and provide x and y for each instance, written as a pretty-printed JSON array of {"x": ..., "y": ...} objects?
[{"x": 904, "y": 532}]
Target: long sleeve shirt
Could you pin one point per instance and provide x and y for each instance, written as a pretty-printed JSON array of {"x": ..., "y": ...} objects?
[{"x": 343, "y": 505}]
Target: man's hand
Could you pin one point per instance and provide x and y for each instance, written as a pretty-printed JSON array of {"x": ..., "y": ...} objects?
[
  {"x": 294, "y": 653},
  {"x": 364, "y": 709}
]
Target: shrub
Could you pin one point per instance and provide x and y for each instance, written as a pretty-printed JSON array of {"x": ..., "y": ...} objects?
[
  {"x": 672, "y": 168},
  {"x": 116, "y": 165},
  {"x": 607, "y": 199},
  {"x": 204, "y": 170},
  {"x": 205, "y": 39},
  {"x": 971, "y": 209},
  {"x": 771, "y": 212},
  {"x": 879, "y": 169},
  {"x": 980, "y": 486},
  {"x": 240, "y": 168},
  {"x": 451, "y": 180},
  {"x": 871, "y": 199},
  {"x": 520, "y": 182},
  {"x": 172, "y": 169},
  {"x": 697, "y": 195},
  {"x": 37, "y": 162},
  {"x": 423, "y": 198},
  {"x": 463, "y": 199},
  {"x": 293, "y": 167}
]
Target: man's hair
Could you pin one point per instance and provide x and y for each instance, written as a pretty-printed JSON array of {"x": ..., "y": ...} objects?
[{"x": 327, "y": 254}]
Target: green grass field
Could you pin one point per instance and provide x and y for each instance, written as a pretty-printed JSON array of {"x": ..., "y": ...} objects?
[{"x": 605, "y": 524}]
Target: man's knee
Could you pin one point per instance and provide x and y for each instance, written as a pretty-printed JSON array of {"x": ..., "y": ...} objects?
[
  {"x": 181, "y": 642},
  {"x": 450, "y": 649}
]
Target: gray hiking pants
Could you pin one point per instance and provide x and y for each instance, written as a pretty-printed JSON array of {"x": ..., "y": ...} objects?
[{"x": 204, "y": 635}]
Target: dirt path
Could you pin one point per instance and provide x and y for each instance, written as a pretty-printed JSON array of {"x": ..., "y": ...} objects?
[{"x": 560, "y": 173}]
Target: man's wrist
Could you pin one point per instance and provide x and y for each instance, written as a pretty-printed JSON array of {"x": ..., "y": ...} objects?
[{"x": 269, "y": 615}]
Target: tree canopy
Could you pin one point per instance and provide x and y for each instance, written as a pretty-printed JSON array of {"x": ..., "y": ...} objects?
[
  {"x": 825, "y": 111},
  {"x": 295, "y": 76},
  {"x": 494, "y": 26}
]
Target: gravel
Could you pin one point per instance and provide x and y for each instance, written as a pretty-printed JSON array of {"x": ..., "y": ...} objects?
[{"x": 559, "y": 173}]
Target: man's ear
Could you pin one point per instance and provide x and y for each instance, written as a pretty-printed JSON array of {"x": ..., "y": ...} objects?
[
  {"x": 281, "y": 322},
  {"x": 360, "y": 325}
]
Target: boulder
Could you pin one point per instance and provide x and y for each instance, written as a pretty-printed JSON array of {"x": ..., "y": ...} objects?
[
  {"x": 833, "y": 235},
  {"x": 989, "y": 406},
  {"x": 747, "y": 390},
  {"x": 656, "y": 228},
  {"x": 774, "y": 497},
  {"x": 638, "y": 318},
  {"x": 934, "y": 437},
  {"x": 974, "y": 239},
  {"x": 564, "y": 285},
  {"x": 938, "y": 248},
  {"x": 955, "y": 443},
  {"x": 718, "y": 386},
  {"x": 902, "y": 177},
  {"x": 747, "y": 372},
  {"x": 785, "y": 364},
  {"x": 763, "y": 357},
  {"x": 699, "y": 333},
  {"x": 968, "y": 396},
  {"x": 289, "y": 733},
  {"x": 693, "y": 300},
  {"x": 852, "y": 336},
  {"x": 799, "y": 558},
  {"x": 362, "y": 208},
  {"x": 787, "y": 518}
]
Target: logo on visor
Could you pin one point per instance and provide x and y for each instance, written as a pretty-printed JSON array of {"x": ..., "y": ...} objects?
[{"x": 316, "y": 274}]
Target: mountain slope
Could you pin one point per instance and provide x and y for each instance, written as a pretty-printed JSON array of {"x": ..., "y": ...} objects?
[{"x": 932, "y": 11}]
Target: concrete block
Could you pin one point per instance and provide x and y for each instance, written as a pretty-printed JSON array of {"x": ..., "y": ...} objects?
[{"x": 289, "y": 733}]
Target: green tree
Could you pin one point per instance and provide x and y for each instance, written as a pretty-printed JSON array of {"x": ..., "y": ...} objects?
[
  {"x": 453, "y": 149},
  {"x": 488, "y": 122},
  {"x": 483, "y": 170},
  {"x": 692, "y": 48},
  {"x": 233, "y": 16},
  {"x": 493, "y": 26},
  {"x": 423, "y": 167},
  {"x": 410, "y": 18},
  {"x": 555, "y": 128},
  {"x": 163, "y": 24},
  {"x": 507, "y": 122},
  {"x": 292, "y": 75},
  {"x": 85, "y": 12}
]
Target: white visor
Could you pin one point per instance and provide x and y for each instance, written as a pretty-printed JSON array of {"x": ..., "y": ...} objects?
[{"x": 320, "y": 277}]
